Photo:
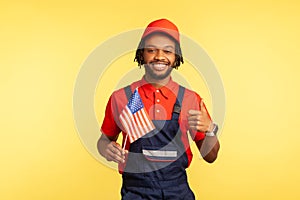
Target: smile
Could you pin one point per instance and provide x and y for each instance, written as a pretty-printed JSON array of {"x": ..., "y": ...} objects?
[{"x": 159, "y": 66}]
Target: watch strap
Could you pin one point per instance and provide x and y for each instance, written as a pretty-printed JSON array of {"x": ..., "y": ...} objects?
[{"x": 213, "y": 132}]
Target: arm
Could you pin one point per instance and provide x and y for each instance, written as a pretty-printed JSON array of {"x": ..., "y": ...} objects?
[
  {"x": 209, "y": 148},
  {"x": 201, "y": 121},
  {"x": 106, "y": 145}
]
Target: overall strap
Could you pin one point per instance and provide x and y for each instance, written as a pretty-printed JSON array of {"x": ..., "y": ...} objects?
[
  {"x": 177, "y": 105},
  {"x": 128, "y": 92}
]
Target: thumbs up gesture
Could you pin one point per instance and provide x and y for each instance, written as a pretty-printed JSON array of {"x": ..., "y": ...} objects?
[{"x": 199, "y": 120}]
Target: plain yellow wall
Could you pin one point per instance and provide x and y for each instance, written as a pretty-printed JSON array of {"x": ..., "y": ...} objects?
[{"x": 254, "y": 44}]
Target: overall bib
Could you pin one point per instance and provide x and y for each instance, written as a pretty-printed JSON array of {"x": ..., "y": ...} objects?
[{"x": 155, "y": 167}]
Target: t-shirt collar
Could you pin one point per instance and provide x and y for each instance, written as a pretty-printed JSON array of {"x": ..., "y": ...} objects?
[{"x": 148, "y": 88}]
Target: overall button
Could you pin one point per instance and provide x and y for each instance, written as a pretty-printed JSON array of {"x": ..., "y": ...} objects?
[{"x": 157, "y": 100}]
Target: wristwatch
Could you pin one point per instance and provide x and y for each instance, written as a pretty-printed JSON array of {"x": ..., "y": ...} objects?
[{"x": 213, "y": 132}]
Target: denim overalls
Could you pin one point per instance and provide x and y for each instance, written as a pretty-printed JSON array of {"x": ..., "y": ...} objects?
[{"x": 155, "y": 167}]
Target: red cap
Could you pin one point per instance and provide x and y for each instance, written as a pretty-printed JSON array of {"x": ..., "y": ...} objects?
[{"x": 164, "y": 26}]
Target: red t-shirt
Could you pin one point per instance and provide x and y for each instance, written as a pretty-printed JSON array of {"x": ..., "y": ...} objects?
[{"x": 159, "y": 105}]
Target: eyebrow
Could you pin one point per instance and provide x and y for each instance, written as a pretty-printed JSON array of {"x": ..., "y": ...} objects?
[{"x": 167, "y": 46}]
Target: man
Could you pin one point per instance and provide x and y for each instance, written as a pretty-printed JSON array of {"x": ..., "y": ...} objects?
[{"x": 153, "y": 164}]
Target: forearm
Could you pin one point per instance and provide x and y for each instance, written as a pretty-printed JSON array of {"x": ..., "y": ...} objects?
[
  {"x": 209, "y": 148},
  {"x": 102, "y": 144}
]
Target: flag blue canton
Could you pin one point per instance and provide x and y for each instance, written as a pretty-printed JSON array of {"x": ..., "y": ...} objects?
[{"x": 135, "y": 103}]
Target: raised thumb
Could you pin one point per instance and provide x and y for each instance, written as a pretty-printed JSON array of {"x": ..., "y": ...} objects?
[{"x": 202, "y": 106}]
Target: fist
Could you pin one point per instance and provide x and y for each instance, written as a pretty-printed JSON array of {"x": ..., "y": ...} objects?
[
  {"x": 115, "y": 153},
  {"x": 199, "y": 120}
]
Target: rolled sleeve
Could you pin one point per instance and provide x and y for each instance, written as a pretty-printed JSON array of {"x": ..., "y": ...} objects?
[{"x": 109, "y": 126}]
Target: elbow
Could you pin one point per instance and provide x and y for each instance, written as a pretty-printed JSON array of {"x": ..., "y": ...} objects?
[
  {"x": 213, "y": 154},
  {"x": 210, "y": 159}
]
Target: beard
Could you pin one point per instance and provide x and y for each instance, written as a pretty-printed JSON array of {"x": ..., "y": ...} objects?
[{"x": 155, "y": 76}]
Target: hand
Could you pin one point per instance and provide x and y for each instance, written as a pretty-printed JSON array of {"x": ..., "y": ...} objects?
[
  {"x": 115, "y": 153},
  {"x": 199, "y": 120}
]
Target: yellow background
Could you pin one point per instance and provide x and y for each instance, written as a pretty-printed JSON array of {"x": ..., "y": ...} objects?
[{"x": 254, "y": 44}]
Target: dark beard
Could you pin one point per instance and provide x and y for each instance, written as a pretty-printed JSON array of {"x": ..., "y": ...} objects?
[{"x": 154, "y": 76}]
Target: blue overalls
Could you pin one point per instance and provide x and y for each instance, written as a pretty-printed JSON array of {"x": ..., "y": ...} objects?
[{"x": 155, "y": 168}]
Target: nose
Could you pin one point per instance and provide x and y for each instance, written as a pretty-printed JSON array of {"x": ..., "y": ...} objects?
[{"x": 159, "y": 55}]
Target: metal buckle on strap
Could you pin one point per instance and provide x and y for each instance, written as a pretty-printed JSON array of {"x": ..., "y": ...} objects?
[{"x": 177, "y": 109}]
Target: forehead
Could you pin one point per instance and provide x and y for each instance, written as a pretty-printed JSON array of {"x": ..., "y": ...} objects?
[{"x": 159, "y": 40}]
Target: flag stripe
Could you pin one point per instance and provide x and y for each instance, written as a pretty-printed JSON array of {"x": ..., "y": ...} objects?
[
  {"x": 149, "y": 122},
  {"x": 139, "y": 129},
  {"x": 134, "y": 124},
  {"x": 124, "y": 123},
  {"x": 143, "y": 122},
  {"x": 134, "y": 119},
  {"x": 137, "y": 120},
  {"x": 146, "y": 122},
  {"x": 129, "y": 122},
  {"x": 133, "y": 134}
]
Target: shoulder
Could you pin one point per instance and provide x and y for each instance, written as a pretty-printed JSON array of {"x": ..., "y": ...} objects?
[
  {"x": 191, "y": 99},
  {"x": 120, "y": 95},
  {"x": 133, "y": 85},
  {"x": 190, "y": 94}
]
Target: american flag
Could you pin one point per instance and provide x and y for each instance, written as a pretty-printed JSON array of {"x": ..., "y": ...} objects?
[{"x": 135, "y": 119}]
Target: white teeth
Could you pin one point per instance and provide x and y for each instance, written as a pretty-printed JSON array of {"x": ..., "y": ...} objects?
[{"x": 159, "y": 66}]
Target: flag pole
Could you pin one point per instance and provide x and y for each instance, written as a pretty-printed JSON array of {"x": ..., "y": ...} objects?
[{"x": 125, "y": 141}]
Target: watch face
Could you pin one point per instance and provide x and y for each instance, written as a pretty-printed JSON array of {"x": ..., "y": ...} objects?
[{"x": 214, "y": 131}]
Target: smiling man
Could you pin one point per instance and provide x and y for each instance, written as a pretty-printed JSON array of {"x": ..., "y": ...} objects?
[
  {"x": 159, "y": 58},
  {"x": 155, "y": 150}
]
